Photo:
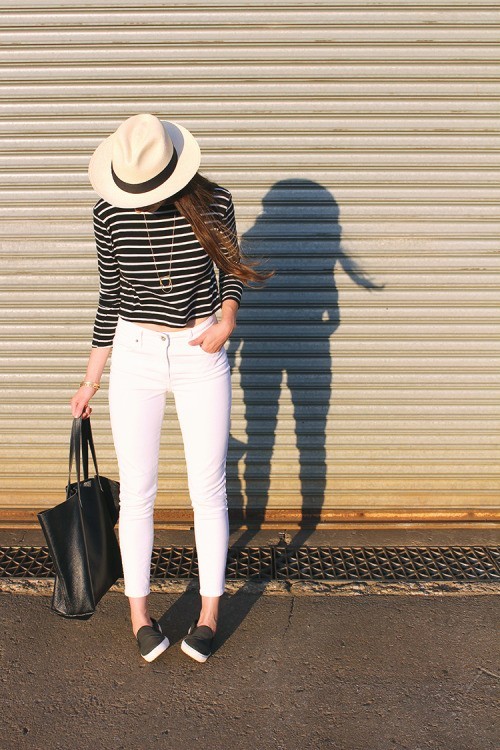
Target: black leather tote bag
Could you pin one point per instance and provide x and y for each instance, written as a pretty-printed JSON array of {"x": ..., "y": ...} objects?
[{"x": 80, "y": 533}]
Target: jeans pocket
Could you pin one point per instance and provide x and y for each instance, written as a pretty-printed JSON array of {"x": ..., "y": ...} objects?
[
  {"x": 129, "y": 343},
  {"x": 208, "y": 354}
]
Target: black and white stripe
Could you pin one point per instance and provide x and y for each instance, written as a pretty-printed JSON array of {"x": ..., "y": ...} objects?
[{"x": 128, "y": 283}]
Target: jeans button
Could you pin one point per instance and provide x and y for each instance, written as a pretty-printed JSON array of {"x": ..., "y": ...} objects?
[{"x": 163, "y": 338}]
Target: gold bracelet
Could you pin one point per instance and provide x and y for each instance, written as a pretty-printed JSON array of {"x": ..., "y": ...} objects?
[{"x": 87, "y": 382}]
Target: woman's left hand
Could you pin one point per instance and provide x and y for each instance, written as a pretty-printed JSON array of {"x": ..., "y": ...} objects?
[{"x": 214, "y": 337}]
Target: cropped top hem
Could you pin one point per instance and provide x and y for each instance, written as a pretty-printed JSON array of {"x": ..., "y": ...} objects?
[{"x": 141, "y": 319}]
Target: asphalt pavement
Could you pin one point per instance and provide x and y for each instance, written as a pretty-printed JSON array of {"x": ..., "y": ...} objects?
[{"x": 291, "y": 669}]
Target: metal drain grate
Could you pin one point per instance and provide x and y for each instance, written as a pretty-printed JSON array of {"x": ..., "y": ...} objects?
[
  {"x": 174, "y": 562},
  {"x": 389, "y": 563},
  {"x": 25, "y": 562},
  {"x": 251, "y": 563},
  {"x": 298, "y": 563}
]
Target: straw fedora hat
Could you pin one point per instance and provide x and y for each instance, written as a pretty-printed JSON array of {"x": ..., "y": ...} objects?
[{"x": 144, "y": 161}]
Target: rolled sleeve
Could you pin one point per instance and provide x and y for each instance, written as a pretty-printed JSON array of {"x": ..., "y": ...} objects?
[
  {"x": 108, "y": 308},
  {"x": 231, "y": 287}
]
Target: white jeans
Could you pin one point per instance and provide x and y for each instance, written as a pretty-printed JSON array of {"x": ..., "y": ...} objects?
[{"x": 145, "y": 365}]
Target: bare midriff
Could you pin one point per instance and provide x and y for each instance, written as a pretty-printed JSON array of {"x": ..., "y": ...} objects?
[{"x": 190, "y": 324}]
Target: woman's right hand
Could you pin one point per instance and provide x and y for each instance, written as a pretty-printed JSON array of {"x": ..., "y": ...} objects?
[{"x": 80, "y": 402}]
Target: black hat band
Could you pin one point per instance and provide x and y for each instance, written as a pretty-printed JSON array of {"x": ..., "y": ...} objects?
[{"x": 154, "y": 182}]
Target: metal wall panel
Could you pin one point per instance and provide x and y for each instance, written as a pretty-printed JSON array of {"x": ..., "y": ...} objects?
[{"x": 359, "y": 141}]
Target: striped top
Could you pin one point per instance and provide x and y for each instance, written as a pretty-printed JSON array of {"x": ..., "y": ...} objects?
[{"x": 128, "y": 283}]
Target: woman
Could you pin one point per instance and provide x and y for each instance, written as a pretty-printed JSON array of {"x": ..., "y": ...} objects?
[{"x": 159, "y": 228}]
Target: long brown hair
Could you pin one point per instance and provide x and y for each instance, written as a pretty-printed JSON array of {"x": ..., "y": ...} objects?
[{"x": 193, "y": 202}]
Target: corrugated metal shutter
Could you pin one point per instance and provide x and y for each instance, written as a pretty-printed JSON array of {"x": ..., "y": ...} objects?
[{"x": 359, "y": 143}]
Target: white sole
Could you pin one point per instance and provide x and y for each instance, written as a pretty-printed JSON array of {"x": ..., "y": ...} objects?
[
  {"x": 159, "y": 649},
  {"x": 192, "y": 652}
]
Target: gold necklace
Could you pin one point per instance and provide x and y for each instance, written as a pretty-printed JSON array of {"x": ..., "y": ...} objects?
[{"x": 167, "y": 279}]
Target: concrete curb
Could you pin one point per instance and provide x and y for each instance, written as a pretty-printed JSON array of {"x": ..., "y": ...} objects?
[{"x": 44, "y": 587}]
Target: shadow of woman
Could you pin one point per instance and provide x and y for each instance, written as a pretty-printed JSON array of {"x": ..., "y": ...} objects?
[{"x": 283, "y": 333}]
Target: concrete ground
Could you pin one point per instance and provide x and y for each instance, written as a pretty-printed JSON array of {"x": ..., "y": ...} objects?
[{"x": 367, "y": 672}]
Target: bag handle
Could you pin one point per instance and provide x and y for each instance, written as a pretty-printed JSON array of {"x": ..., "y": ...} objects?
[
  {"x": 80, "y": 440},
  {"x": 87, "y": 440},
  {"x": 74, "y": 449},
  {"x": 83, "y": 431}
]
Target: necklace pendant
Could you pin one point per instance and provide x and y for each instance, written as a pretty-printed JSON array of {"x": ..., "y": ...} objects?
[{"x": 166, "y": 283}]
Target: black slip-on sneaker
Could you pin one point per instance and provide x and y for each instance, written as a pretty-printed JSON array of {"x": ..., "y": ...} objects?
[
  {"x": 198, "y": 642},
  {"x": 151, "y": 641}
]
